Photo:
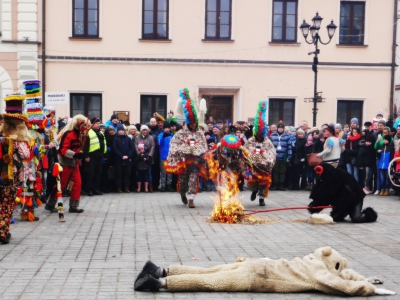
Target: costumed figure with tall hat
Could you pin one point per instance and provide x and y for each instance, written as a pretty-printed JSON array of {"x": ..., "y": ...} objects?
[
  {"x": 14, "y": 150},
  {"x": 186, "y": 150},
  {"x": 260, "y": 156},
  {"x": 71, "y": 142}
]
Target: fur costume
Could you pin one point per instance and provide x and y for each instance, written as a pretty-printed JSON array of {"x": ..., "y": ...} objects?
[
  {"x": 186, "y": 150},
  {"x": 324, "y": 271},
  {"x": 338, "y": 188}
]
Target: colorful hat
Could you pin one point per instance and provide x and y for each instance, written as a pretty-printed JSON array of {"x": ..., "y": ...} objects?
[
  {"x": 33, "y": 106},
  {"x": 260, "y": 122},
  {"x": 188, "y": 108},
  {"x": 14, "y": 103},
  {"x": 231, "y": 141}
]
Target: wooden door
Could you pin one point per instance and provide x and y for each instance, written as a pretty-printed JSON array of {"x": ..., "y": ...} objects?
[{"x": 220, "y": 108}]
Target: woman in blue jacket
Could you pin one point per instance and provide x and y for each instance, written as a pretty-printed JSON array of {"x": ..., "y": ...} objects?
[
  {"x": 164, "y": 140},
  {"x": 123, "y": 153}
]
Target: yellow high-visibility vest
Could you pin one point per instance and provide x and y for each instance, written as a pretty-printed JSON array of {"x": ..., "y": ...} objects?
[{"x": 94, "y": 141}]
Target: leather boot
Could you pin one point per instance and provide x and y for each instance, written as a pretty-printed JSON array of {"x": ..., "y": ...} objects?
[
  {"x": 253, "y": 195},
  {"x": 169, "y": 188},
  {"x": 51, "y": 205},
  {"x": 386, "y": 193},
  {"x": 191, "y": 204},
  {"x": 382, "y": 192},
  {"x": 262, "y": 203},
  {"x": 275, "y": 187},
  {"x": 127, "y": 189},
  {"x": 184, "y": 199},
  {"x": 151, "y": 188}
]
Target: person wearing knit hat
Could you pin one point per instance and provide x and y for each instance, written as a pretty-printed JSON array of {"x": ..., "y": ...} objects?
[
  {"x": 144, "y": 127},
  {"x": 353, "y": 123},
  {"x": 166, "y": 125},
  {"x": 283, "y": 147},
  {"x": 145, "y": 152},
  {"x": 95, "y": 148},
  {"x": 112, "y": 122},
  {"x": 332, "y": 147},
  {"x": 187, "y": 147},
  {"x": 338, "y": 130}
]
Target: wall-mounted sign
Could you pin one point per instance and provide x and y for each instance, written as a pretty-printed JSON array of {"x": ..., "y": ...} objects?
[
  {"x": 56, "y": 98},
  {"x": 123, "y": 116}
]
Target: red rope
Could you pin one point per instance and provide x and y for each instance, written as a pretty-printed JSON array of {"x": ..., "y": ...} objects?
[{"x": 285, "y": 208}]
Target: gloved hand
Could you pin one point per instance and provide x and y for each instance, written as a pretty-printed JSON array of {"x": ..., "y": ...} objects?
[
  {"x": 383, "y": 292},
  {"x": 78, "y": 155}
]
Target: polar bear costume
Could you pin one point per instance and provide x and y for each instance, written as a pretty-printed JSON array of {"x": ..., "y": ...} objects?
[{"x": 323, "y": 271}]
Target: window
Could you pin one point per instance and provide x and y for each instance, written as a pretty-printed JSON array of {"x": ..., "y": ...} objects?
[
  {"x": 218, "y": 19},
  {"x": 155, "y": 19},
  {"x": 86, "y": 104},
  {"x": 347, "y": 110},
  {"x": 85, "y": 18},
  {"x": 281, "y": 109},
  {"x": 149, "y": 104},
  {"x": 284, "y": 21},
  {"x": 352, "y": 15}
]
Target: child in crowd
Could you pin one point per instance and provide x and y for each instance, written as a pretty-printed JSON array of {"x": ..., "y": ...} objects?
[
  {"x": 143, "y": 165},
  {"x": 346, "y": 129},
  {"x": 385, "y": 155}
]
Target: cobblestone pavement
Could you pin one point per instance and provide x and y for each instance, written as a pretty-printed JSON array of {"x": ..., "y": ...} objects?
[{"x": 97, "y": 254}]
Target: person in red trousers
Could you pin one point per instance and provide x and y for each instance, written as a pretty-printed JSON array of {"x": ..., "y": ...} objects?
[{"x": 69, "y": 156}]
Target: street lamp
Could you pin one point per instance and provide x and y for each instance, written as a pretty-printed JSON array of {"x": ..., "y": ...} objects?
[{"x": 315, "y": 38}]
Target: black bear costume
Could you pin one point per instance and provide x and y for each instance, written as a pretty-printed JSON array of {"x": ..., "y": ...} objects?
[{"x": 338, "y": 188}]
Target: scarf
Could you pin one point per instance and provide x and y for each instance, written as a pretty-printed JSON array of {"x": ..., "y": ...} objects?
[{"x": 354, "y": 138}]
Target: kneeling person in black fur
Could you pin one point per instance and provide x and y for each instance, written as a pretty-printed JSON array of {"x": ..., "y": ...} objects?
[{"x": 338, "y": 188}]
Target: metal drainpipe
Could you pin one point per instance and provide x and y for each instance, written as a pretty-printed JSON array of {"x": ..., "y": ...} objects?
[
  {"x": 393, "y": 114},
  {"x": 43, "y": 51}
]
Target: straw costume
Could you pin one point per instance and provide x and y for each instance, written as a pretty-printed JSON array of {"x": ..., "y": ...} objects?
[
  {"x": 260, "y": 156},
  {"x": 14, "y": 150},
  {"x": 186, "y": 149}
]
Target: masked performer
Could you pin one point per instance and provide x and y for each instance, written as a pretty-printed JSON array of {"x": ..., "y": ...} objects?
[
  {"x": 15, "y": 150},
  {"x": 260, "y": 156},
  {"x": 340, "y": 189},
  {"x": 185, "y": 152},
  {"x": 71, "y": 140}
]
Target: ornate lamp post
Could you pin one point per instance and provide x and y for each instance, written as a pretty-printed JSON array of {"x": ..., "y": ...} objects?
[{"x": 315, "y": 38}]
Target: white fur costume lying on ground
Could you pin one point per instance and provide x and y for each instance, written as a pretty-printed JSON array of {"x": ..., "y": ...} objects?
[{"x": 323, "y": 271}]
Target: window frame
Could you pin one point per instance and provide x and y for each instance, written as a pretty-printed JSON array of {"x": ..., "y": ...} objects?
[
  {"x": 281, "y": 102},
  {"x": 218, "y": 12},
  {"x": 155, "y": 18},
  {"x": 86, "y": 103},
  {"x": 351, "y": 20},
  {"x": 349, "y": 110},
  {"x": 153, "y": 105},
  {"x": 284, "y": 40},
  {"x": 86, "y": 20}
]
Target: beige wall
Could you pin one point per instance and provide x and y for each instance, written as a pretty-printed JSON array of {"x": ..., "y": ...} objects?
[{"x": 123, "y": 82}]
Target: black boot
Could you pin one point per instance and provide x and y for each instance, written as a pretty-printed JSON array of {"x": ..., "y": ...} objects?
[
  {"x": 253, "y": 195},
  {"x": 6, "y": 240},
  {"x": 281, "y": 187},
  {"x": 50, "y": 209},
  {"x": 148, "y": 282},
  {"x": 149, "y": 268},
  {"x": 184, "y": 199},
  {"x": 51, "y": 205},
  {"x": 97, "y": 192},
  {"x": 75, "y": 210},
  {"x": 170, "y": 189},
  {"x": 262, "y": 203}
]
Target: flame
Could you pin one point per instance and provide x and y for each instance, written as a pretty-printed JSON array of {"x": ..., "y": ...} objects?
[{"x": 227, "y": 205}]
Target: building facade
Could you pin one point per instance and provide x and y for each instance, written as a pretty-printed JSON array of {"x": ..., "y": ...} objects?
[
  {"x": 133, "y": 57},
  {"x": 18, "y": 45}
]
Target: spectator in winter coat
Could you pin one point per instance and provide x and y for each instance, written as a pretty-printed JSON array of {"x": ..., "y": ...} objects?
[
  {"x": 396, "y": 139},
  {"x": 338, "y": 131},
  {"x": 123, "y": 151},
  {"x": 145, "y": 156},
  {"x": 112, "y": 122},
  {"x": 298, "y": 161},
  {"x": 366, "y": 161},
  {"x": 283, "y": 147},
  {"x": 385, "y": 155},
  {"x": 351, "y": 152},
  {"x": 308, "y": 149},
  {"x": 133, "y": 180},
  {"x": 164, "y": 140}
]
